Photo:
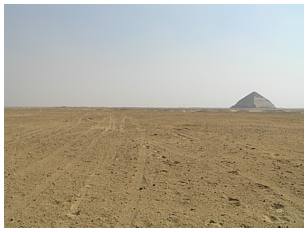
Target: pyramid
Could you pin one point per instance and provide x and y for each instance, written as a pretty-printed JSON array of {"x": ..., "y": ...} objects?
[{"x": 254, "y": 100}]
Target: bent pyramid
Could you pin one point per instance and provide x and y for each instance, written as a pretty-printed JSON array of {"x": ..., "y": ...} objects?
[{"x": 254, "y": 100}]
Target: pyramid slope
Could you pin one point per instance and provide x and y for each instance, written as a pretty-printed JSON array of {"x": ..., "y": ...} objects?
[{"x": 254, "y": 100}]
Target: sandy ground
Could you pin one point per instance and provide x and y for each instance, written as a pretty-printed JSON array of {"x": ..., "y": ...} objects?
[{"x": 86, "y": 167}]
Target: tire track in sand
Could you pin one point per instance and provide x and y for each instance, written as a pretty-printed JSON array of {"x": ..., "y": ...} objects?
[
  {"x": 52, "y": 157},
  {"x": 131, "y": 210},
  {"x": 43, "y": 132},
  {"x": 122, "y": 124},
  {"x": 26, "y": 201},
  {"x": 74, "y": 209}
]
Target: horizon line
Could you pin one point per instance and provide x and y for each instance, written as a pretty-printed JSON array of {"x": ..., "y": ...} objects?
[{"x": 149, "y": 107}]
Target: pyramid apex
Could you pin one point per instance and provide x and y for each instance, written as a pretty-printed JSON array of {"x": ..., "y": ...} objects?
[{"x": 255, "y": 93}]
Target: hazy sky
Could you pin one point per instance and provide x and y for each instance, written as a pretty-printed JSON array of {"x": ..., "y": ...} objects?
[{"x": 154, "y": 55}]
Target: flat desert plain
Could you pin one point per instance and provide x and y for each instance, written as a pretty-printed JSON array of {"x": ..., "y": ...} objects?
[{"x": 101, "y": 167}]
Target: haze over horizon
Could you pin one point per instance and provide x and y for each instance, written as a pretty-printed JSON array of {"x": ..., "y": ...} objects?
[{"x": 153, "y": 55}]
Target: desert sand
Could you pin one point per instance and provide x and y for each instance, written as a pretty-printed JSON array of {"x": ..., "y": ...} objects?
[{"x": 103, "y": 167}]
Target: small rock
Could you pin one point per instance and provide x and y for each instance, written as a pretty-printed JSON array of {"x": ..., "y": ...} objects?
[{"x": 277, "y": 206}]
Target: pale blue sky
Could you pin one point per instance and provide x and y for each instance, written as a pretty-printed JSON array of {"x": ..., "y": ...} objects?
[{"x": 153, "y": 55}]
